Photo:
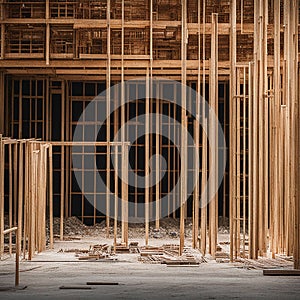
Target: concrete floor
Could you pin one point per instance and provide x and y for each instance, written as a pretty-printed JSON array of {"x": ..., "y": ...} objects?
[{"x": 137, "y": 280}]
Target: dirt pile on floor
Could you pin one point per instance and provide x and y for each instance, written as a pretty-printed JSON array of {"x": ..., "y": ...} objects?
[
  {"x": 72, "y": 226},
  {"x": 168, "y": 228}
]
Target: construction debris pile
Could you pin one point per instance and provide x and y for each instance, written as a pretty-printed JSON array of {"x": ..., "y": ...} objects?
[{"x": 95, "y": 252}]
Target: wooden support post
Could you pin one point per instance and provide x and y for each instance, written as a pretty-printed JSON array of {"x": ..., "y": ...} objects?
[
  {"x": 108, "y": 123},
  {"x": 147, "y": 143},
  {"x": 296, "y": 250},
  {"x": 50, "y": 195},
  {"x": 68, "y": 152},
  {"x": 184, "y": 125},
  {"x": 20, "y": 195},
  {"x": 115, "y": 149},
  {"x": 2, "y": 36},
  {"x": 124, "y": 164},
  {"x": 157, "y": 164},
  {"x": 41, "y": 203},
  {"x": 123, "y": 137},
  {"x": 47, "y": 16},
  {"x": 2, "y": 101},
  {"x": 116, "y": 196},
  {"x": 196, "y": 137},
  {"x": 244, "y": 161},
  {"x": 47, "y": 43},
  {"x": 47, "y": 104},
  {"x": 18, "y": 247},
  {"x": 213, "y": 156},
  {"x": 254, "y": 237},
  {"x": 204, "y": 144},
  {"x": 32, "y": 201},
  {"x": 2, "y": 46},
  {"x": 196, "y": 190},
  {"x": 125, "y": 187},
  {"x": 266, "y": 129},
  {"x": 2, "y": 157},
  {"x": 62, "y": 162},
  {"x": 250, "y": 157},
  {"x": 232, "y": 127},
  {"x": 39, "y": 212},
  {"x": 238, "y": 165},
  {"x": 287, "y": 97},
  {"x": 10, "y": 195},
  {"x": 26, "y": 195},
  {"x": 294, "y": 91},
  {"x": 15, "y": 184},
  {"x": 20, "y": 110},
  {"x": 275, "y": 187},
  {"x": 282, "y": 177}
]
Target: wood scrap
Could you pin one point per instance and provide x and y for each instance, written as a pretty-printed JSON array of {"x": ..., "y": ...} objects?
[
  {"x": 75, "y": 287},
  {"x": 101, "y": 283}
]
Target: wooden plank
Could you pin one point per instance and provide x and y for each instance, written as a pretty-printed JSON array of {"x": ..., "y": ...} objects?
[
  {"x": 101, "y": 283},
  {"x": 10, "y": 230},
  {"x": 281, "y": 272},
  {"x": 75, "y": 287}
]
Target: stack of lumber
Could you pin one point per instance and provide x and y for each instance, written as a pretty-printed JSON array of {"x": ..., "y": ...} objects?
[
  {"x": 122, "y": 248},
  {"x": 221, "y": 254},
  {"x": 134, "y": 247},
  {"x": 264, "y": 263},
  {"x": 169, "y": 255}
]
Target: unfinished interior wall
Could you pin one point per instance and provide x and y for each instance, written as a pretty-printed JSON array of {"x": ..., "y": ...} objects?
[{"x": 57, "y": 56}]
